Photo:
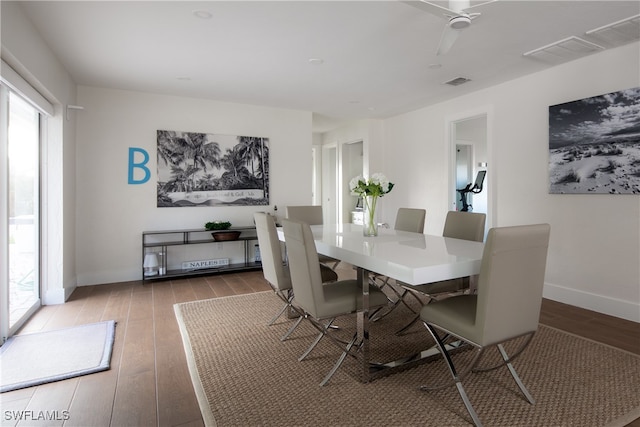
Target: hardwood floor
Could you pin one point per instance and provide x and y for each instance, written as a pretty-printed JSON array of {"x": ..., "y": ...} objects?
[{"x": 149, "y": 383}]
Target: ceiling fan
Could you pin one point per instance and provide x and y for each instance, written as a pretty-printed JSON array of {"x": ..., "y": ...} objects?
[{"x": 458, "y": 18}]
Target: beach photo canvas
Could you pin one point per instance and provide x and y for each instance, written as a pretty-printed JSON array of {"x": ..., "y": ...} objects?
[
  {"x": 594, "y": 145},
  {"x": 205, "y": 169}
]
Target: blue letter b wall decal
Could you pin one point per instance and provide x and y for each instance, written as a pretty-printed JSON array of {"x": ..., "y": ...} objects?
[{"x": 139, "y": 165}]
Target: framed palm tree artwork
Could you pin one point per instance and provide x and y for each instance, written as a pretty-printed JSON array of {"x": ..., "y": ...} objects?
[{"x": 204, "y": 169}]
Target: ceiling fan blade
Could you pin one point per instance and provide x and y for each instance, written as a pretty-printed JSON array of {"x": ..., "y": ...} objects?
[
  {"x": 448, "y": 38},
  {"x": 432, "y": 8},
  {"x": 480, "y": 5},
  {"x": 455, "y": 8}
]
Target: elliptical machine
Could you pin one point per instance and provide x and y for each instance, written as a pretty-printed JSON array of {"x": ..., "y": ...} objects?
[{"x": 474, "y": 188}]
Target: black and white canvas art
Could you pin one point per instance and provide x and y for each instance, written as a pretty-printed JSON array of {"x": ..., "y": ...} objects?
[
  {"x": 594, "y": 145},
  {"x": 204, "y": 169}
]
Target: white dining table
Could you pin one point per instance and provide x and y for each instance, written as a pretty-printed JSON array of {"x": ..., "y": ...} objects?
[{"x": 412, "y": 258}]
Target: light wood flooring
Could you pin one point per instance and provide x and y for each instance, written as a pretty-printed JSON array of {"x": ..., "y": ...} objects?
[{"x": 148, "y": 383}]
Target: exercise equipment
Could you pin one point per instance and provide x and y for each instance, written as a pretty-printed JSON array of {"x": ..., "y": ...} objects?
[{"x": 474, "y": 188}]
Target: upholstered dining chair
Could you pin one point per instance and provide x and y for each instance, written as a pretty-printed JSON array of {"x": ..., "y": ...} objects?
[
  {"x": 276, "y": 272},
  {"x": 457, "y": 225},
  {"x": 312, "y": 215},
  {"x": 322, "y": 304},
  {"x": 506, "y": 306},
  {"x": 411, "y": 220}
]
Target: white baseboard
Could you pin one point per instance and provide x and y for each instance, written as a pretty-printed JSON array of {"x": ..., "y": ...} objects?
[
  {"x": 57, "y": 295},
  {"x": 68, "y": 291},
  {"x": 628, "y": 310},
  {"x": 54, "y": 296}
]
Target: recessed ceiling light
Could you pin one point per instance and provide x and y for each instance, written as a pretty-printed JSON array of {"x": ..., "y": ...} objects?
[
  {"x": 457, "y": 81},
  {"x": 435, "y": 66},
  {"x": 316, "y": 61},
  {"x": 202, "y": 14},
  {"x": 185, "y": 78}
]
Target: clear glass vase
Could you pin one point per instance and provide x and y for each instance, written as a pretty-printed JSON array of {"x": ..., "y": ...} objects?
[{"x": 370, "y": 228}]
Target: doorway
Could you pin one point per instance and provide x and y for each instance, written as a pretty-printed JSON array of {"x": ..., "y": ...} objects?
[{"x": 468, "y": 142}]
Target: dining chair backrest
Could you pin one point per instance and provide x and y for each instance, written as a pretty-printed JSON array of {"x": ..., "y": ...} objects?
[
  {"x": 271, "y": 252},
  {"x": 510, "y": 282},
  {"x": 304, "y": 266},
  {"x": 465, "y": 225},
  {"x": 312, "y": 215},
  {"x": 409, "y": 219}
]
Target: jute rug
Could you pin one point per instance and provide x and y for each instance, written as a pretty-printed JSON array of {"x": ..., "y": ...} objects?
[
  {"x": 245, "y": 376},
  {"x": 32, "y": 359}
]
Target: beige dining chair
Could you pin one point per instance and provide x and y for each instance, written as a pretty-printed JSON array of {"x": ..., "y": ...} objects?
[
  {"x": 312, "y": 215},
  {"x": 276, "y": 272},
  {"x": 457, "y": 225},
  {"x": 411, "y": 220},
  {"x": 505, "y": 308},
  {"x": 322, "y": 303}
]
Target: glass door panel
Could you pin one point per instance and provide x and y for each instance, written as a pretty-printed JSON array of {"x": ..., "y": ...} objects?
[{"x": 23, "y": 204}]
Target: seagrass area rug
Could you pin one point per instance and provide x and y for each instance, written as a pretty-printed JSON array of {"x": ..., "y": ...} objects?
[
  {"x": 244, "y": 375},
  {"x": 41, "y": 357}
]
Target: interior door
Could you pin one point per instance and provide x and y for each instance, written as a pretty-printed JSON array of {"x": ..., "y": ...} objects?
[
  {"x": 352, "y": 166},
  {"x": 330, "y": 184}
]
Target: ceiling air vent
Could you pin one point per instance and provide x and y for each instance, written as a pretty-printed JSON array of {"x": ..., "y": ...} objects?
[
  {"x": 619, "y": 32},
  {"x": 564, "y": 50},
  {"x": 457, "y": 81}
]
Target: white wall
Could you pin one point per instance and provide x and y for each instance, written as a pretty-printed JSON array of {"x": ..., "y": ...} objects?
[
  {"x": 594, "y": 253},
  {"x": 111, "y": 214}
]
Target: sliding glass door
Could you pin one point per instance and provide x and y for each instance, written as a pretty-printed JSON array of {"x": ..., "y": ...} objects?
[{"x": 20, "y": 135}]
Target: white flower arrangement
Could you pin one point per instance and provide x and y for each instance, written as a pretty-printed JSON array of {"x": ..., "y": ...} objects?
[{"x": 378, "y": 185}]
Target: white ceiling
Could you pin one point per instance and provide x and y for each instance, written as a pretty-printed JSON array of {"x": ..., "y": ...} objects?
[{"x": 376, "y": 54}]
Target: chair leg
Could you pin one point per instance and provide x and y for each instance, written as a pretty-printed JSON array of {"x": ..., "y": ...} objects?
[
  {"x": 272, "y": 321},
  {"x": 454, "y": 374},
  {"x": 291, "y": 329},
  {"x": 413, "y": 321},
  {"x": 340, "y": 360},
  {"x": 416, "y": 318},
  {"x": 323, "y": 332},
  {"x": 507, "y": 362},
  {"x": 515, "y": 376}
]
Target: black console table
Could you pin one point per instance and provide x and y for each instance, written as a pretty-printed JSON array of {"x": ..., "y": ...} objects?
[{"x": 159, "y": 263}]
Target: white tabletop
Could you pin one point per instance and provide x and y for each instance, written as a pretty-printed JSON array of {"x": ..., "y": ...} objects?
[{"x": 412, "y": 258}]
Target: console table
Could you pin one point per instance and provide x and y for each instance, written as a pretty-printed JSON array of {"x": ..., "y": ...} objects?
[{"x": 155, "y": 244}]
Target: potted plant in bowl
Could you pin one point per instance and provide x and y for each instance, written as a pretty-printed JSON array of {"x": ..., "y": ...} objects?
[{"x": 220, "y": 230}]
